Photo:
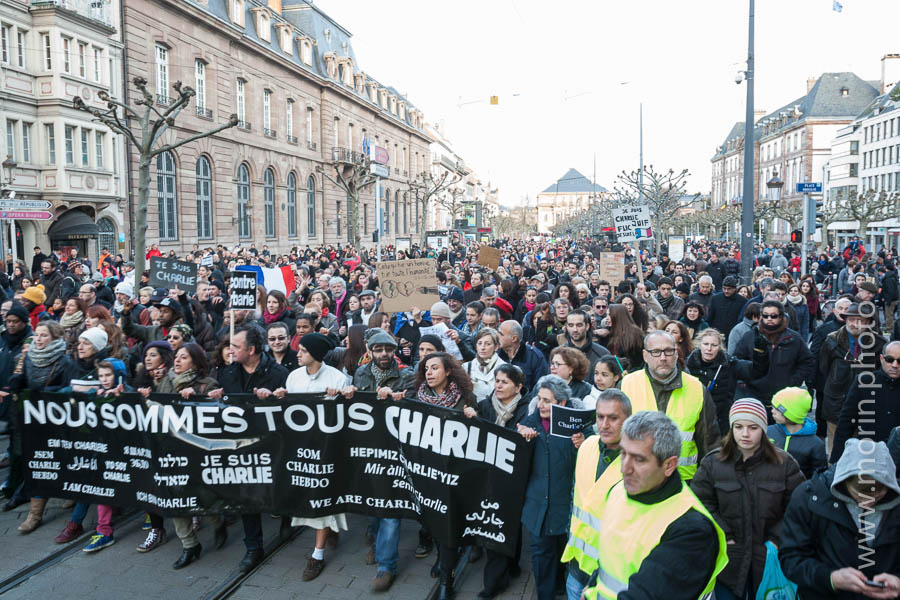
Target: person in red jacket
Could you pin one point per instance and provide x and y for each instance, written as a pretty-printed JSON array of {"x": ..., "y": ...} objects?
[{"x": 153, "y": 251}]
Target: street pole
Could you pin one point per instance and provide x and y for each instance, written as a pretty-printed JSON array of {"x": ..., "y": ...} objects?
[
  {"x": 747, "y": 204},
  {"x": 378, "y": 216},
  {"x": 805, "y": 234},
  {"x": 641, "y": 158}
]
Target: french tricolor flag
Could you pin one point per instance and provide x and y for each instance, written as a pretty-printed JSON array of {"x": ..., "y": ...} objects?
[
  {"x": 640, "y": 232},
  {"x": 278, "y": 278}
]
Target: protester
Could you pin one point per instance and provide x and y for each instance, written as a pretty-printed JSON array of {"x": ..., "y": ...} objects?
[
  {"x": 794, "y": 432},
  {"x": 481, "y": 370}
]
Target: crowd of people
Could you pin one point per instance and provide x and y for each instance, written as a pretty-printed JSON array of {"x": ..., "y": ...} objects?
[{"x": 729, "y": 414}]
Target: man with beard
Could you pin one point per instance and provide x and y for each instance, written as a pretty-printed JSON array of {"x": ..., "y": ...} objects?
[
  {"x": 278, "y": 337},
  {"x": 790, "y": 363},
  {"x": 367, "y": 306},
  {"x": 845, "y": 355},
  {"x": 578, "y": 335},
  {"x": 384, "y": 376}
]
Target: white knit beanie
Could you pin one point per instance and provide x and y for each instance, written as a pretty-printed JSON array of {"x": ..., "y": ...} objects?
[{"x": 96, "y": 336}]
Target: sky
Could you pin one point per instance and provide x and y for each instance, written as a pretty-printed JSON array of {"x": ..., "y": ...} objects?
[{"x": 570, "y": 75}]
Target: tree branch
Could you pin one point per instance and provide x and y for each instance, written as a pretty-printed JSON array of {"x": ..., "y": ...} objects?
[{"x": 231, "y": 123}]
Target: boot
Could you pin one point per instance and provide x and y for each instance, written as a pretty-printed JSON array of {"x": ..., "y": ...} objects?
[
  {"x": 35, "y": 515},
  {"x": 188, "y": 555},
  {"x": 445, "y": 591},
  {"x": 221, "y": 536}
]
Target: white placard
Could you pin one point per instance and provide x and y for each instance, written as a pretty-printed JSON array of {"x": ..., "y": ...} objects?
[
  {"x": 632, "y": 223},
  {"x": 676, "y": 248}
]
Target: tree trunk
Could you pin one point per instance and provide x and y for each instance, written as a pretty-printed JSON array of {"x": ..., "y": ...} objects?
[
  {"x": 354, "y": 218},
  {"x": 140, "y": 217}
]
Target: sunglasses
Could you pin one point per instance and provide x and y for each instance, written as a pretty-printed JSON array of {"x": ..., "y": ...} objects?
[
  {"x": 891, "y": 359},
  {"x": 765, "y": 316},
  {"x": 280, "y": 338}
]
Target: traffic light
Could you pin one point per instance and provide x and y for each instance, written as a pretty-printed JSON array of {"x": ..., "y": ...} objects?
[
  {"x": 818, "y": 215},
  {"x": 796, "y": 236}
]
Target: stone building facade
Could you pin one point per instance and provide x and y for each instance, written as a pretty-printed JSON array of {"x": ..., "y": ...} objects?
[{"x": 289, "y": 72}]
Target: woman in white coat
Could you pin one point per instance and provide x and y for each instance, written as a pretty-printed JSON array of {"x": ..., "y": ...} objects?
[{"x": 482, "y": 368}]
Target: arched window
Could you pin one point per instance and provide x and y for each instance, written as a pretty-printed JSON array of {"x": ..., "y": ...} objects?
[
  {"x": 204, "y": 199},
  {"x": 386, "y": 203},
  {"x": 311, "y": 206},
  {"x": 107, "y": 236},
  {"x": 243, "y": 199},
  {"x": 397, "y": 211},
  {"x": 405, "y": 212},
  {"x": 292, "y": 205},
  {"x": 166, "y": 196},
  {"x": 269, "y": 194}
]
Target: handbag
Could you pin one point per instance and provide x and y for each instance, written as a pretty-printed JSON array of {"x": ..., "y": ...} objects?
[{"x": 774, "y": 585}]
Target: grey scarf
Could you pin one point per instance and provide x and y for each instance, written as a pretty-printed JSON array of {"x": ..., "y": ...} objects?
[
  {"x": 504, "y": 411},
  {"x": 44, "y": 357}
]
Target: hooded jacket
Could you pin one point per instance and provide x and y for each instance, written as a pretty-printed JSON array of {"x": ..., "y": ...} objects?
[
  {"x": 869, "y": 411},
  {"x": 838, "y": 370},
  {"x": 805, "y": 446},
  {"x": 824, "y": 529}
]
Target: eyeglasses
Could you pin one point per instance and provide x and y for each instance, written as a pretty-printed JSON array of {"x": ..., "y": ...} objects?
[
  {"x": 172, "y": 337},
  {"x": 658, "y": 353},
  {"x": 891, "y": 359},
  {"x": 279, "y": 338},
  {"x": 557, "y": 364},
  {"x": 770, "y": 316},
  {"x": 601, "y": 306}
]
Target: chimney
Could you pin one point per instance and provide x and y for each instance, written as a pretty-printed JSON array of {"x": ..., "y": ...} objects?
[
  {"x": 759, "y": 114},
  {"x": 890, "y": 71},
  {"x": 810, "y": 83},
  {"x": 275, "y": 5}
]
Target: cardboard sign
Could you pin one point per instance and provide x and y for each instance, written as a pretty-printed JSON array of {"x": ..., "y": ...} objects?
[
  {"x": 566, "y": 422},
  {"x": 207, "y": 261},
  {"x": 407, "y": 283},
  {"x": 243, "y": 290},
  {"x": 676, "y": 248},
  {"x": 612, "y": 267},
  {"x": 489, "y": 257},
  {"x": 632, "y": 223},
  {"x": 173, "y": 274}
]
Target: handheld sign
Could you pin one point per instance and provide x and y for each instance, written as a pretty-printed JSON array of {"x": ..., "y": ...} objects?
[
  {"x": 489, "y": 257},
  {"x": 243, "y": 290},
  {"x": 566, "y": 422},
  {"x": 173, "y": 274},
  {"x": 207, "y": 261},
  {"x": 612, "y": 267},
  {"x": 407, "y": 283},
  {"x": 632, "y": 223}
]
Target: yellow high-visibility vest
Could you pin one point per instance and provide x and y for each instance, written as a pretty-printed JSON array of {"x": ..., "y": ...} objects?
[
  {"x": 631, "y": 530},
  {"x": 684, "y": 409},
  {"x": 587, "y": 505}
]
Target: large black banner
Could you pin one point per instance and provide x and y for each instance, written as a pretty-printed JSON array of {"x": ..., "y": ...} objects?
[{"x": 306, "y": 456}]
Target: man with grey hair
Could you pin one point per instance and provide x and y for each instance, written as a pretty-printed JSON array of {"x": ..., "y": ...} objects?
[
  {"x": 514, "y": 351},
  {"x": 704, "y": 292},
  {"x": 338, "y": 288},
  {"x": 597, "y": 468},
  {"x": 662, "y": 386},
  {"x": 656, "y": 533}
]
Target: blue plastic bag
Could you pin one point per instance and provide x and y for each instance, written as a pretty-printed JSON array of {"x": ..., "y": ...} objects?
[{"x": 774, "y": 585}]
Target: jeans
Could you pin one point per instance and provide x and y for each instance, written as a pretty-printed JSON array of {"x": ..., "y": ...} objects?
[
  {"x": 386, "y": 545},
  {"x": 253, "y": 534},
  {"x": 574, "y": 588},
  {"x": 104, "y": 519},
  {"x": 546, "y": 550},
  {"x": 79, "y": 512}
]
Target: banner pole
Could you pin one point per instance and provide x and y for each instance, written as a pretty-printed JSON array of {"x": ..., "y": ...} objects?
[
  {"x": 231, "y": 327},
  {"x": 639, "y": 263}
]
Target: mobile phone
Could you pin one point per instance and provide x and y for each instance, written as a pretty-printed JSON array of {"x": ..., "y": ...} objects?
[{"x": 877, "y": 584}]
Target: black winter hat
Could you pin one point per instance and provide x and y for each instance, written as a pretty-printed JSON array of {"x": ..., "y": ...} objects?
[{"x": 317, "y": 345}]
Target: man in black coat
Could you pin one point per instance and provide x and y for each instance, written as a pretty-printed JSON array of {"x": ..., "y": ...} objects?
[
  {"x": 726, "y": 308},
  {"x": 870, "y": 411},
  {"x": 716, "y": 269},
  {"x": 251, "y": 371},
  {"x": 834, "y": 322},
  {"x": 39, "y": 257},
  {"x": 890, "y": 293}
]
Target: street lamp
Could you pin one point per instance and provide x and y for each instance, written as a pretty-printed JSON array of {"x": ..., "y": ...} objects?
[
  {"x": 774, "y": 186},
  {"x": 747, "y": 205}
]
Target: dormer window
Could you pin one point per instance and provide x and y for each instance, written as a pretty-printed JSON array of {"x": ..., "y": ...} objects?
[
  {"x": 402, "y": 109},
  {"x": 373, "y": 92},
  {"x": 284, "y": 37},
  {"x": 305, "y": 50},
  {"x": 360, "y": 80},
  {"x": 382, "y": 98},
  {"x": 392, "y": 102},
  {"x": 331, "y": 65},
  {"x": 237, "y": 12},
  {"x": 263, "y": 29},
  {"x": 845, "y": 91}
]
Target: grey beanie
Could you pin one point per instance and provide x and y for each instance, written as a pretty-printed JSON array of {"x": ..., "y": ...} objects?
[{"x": 381, "y": 337}]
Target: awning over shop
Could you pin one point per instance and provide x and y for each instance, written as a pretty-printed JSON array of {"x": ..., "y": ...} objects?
[{"x": 73, "y": 225}]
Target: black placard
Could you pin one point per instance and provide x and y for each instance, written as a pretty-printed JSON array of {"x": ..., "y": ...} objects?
[
  {"x": 305, "y": 456},
  {"x": 566, "y": 421},
  {"x": 243, "y": 289},
  {"x": 173, "y": 274}
]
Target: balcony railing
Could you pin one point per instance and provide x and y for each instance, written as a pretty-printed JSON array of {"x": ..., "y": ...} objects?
[
  {"x": 244, "y": 125},
  {"x": 311, "y": 145},
  {"x": 204, "y": 112},
  {"x": 270, "y": 133},
  {"x": 164, "y": 100},
  {"x": 345, "y": 155},
  {"x": 292, "y": 139},
  {"x": 98, "y": 10}
]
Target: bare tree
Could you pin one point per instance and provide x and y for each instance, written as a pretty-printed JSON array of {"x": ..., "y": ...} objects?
[
  {"x": 353, "y": 174},
  {"x": 790, "y": 211},
  {"x": 866, "y": 208},
  {"x": 663, "y": 192},
  {"x": 425, "y": 188},
  {"x": 153, "y": 123}
]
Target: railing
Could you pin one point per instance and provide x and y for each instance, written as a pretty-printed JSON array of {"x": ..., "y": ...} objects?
[
  {"x": 206, "y": 113},
  {"x": 244, "y": 125},
  {"x": 292, "y": 139},
  {"x": 98, "y": 10},
  {"x": 270, "y": 133},
  {"x": 311, "y": 145},
  {"x": 164, "y": 100},
  {"x": 345, "y": 155}
]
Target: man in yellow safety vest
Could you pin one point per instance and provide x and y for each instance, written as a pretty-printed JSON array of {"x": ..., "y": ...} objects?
[
  {"x": 597, "y": 468},
  {"x": 662, "y": 386},
  {"x": 656, "y": 539}
]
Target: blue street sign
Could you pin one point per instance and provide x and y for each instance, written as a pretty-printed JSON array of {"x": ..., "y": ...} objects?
[{"x": 809, "y": 188}]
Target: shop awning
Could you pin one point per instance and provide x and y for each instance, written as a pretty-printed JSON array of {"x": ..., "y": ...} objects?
[{"x": 73, "y": 225}]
